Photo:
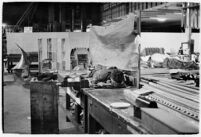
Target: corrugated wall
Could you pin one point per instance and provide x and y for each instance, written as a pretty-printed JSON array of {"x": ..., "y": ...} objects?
[{"x": 113, "y": 10}]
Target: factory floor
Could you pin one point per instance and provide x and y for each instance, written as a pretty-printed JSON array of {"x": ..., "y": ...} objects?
[{"x": 16, "y": 109}]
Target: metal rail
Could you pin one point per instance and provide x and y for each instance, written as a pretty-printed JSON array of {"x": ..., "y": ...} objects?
[
  {"x": 173, "y": 91},
  {"x": 176, "y": 106}
]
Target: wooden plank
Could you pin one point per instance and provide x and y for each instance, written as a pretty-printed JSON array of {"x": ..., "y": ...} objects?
[
  {"x": 76, "y": 99},
  {"x": 101, "y": 115}
]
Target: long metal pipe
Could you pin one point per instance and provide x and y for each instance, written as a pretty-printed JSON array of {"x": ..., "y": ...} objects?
[{"x": 189, "y": 28}]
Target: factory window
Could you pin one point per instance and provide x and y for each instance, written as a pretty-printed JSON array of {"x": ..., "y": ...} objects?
[
  {"x": 82, "y": 59},
  {"x": 63, "y": 52},
  {"x": 116, "y": 9},
  {"x": 77, "y": 12},
  {"x": 133, "y": 7},
  {"x": 124, "y": 9},
  {"x": 141, "y": 6},
  {"x": 103, "y": 15},
  {"x": 130, "y": 7},
  {"x": 56, "y": 12},
  {"x": 138, "y": 6},
  {"x": 49, "y": 49},
  {"x": 114, "y": 13},
  {"x": 106, "y": 6},
  {"x": 63, "y": 48},
  {"x": 121, "y": 10},
  {"x": 146, "y": 7},
  {"x": 68, "y": 15},
  {"x": 106, "y": 15},
  {"x": 40, "y": 53},
  {"x": 40, "y": 49},
  {"x": 109, "y": 14},
  {"x": 113, "y": 4}
]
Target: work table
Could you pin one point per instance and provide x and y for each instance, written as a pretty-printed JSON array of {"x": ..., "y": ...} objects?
[
  {"x": 123, "y": 121},
  {"x": 95, "y": 103}
]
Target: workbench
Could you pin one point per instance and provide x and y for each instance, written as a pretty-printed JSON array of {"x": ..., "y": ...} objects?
[
  {"x": 95, "y": 104},
  {"x": 123, "y": 121},
  {"x": 97, "y": 111}
]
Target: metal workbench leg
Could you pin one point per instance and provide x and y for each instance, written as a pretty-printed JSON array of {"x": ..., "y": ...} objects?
[
  {"x": 85, "y": 114},
  {"x": 78, "y": 111},
  {"x": 91, "y": 125},
  {"x": 67, "y": 106},
  {"x": 67, "y": 101}
]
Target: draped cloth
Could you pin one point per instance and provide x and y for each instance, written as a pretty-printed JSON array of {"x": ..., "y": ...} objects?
[{"x": 114, "y": 45}]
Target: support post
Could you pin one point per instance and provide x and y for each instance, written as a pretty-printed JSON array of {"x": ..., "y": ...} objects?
[{"x": 139, "y": 48}]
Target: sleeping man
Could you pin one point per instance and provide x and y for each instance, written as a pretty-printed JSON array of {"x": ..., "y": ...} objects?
[{"x": 112, "y": 77}]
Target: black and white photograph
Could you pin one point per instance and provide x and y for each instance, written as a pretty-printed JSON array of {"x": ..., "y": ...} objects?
[{"x": 100, "y": 67}]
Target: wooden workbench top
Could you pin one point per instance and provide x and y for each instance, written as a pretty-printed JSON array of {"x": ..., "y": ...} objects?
[{"x": 107, "y": 96}]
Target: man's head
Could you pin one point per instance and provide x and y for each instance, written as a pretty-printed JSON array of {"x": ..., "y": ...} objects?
[{"x": 117, "y": 77}]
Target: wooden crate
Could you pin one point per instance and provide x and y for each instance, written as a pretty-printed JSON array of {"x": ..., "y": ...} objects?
[{"x": 44, "y": 108}]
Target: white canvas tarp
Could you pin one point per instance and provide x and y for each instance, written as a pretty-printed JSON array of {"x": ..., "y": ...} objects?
[
  {"x": 114, "y": 45},
  {"x": 24, "y": 61}
]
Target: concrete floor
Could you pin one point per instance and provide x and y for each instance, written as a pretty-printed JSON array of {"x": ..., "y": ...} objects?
[{"x": 16, "y": 108}]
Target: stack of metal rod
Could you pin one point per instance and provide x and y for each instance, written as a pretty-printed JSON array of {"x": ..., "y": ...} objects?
[{"x": 174, "y": 95}]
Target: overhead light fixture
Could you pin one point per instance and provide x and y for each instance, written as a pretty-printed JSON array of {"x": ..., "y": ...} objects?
[
  {"x": 159, "y": 19},
  {"x": 4, "y": 25},
  {"x": 178, "y": 13}
]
